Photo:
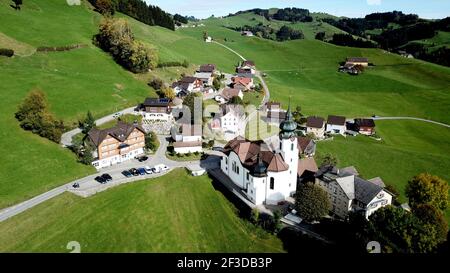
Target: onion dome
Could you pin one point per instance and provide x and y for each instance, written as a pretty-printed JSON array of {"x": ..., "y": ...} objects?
[
  {"x": 260, "y": 170},
  {"x": 288, "y": 126}
]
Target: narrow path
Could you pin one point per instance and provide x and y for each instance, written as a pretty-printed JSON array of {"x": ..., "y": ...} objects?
[
  {"x": 412, "y": 118},
  {"x": 232, "y": 50}
]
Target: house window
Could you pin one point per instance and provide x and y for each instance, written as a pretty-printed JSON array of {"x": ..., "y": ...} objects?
[
  {"x": 237, "y": 170},
  {"x": 272, "y": 183},
  {"x": 248, "y": 176},
  {"x": 281, "y": 145}
]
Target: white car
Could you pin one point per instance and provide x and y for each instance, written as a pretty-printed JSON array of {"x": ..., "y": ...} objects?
[
  {"x": 148, "y": 170},
  {"x": 161, "y": 167}
]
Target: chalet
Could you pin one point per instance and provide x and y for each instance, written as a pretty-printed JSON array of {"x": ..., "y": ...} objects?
[
  {"x": 348, "y": 192},
  {"x": 187, "y": 138},
  {"x": 316, "y": 126},
  {"x": 229, "y": 93},
  {"x": 117, "y": 144},
  {"x": 365, "y": 126},
  {"x": 306, "y": 146},
  {"x": 246, "y": 69},
  {"x": 307, "y": 168},
  {"x": 187, "y": 85},
  {"x": 336, "y": 124},
  {"x": 247, "y": 33},
  {"x": 248, "y": 64},
  {"x": 264, "y": 175},
  {"x": 242, "y": 83},
  {"x": 357, "y": 61},
  {"x": 156, "y": 109}
]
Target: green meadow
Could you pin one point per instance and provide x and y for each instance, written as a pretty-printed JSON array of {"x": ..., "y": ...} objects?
[{"x": 173, "y": 213}]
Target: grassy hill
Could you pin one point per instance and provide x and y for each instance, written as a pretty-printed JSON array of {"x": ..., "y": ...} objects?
[{"x": 173, "y": 213}]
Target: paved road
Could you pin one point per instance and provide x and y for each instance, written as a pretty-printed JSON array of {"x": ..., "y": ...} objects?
[
  {"x": 412, "y": 118},
  {"x": 88, "y": 186},
  {"x": 66, "y": 138}
]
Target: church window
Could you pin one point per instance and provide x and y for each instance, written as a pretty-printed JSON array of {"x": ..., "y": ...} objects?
[
  {"x": 272, "y": 183},
  {"x": 292, "y": 146}
]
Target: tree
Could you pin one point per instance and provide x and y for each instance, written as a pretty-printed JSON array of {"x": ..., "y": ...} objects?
[
  {"x": 87, "y": 124},
  {"x": 156, "y": 83},
  {"x": 328, "y": 160},
  {"x": 427, "y": 189},
  {"x": 17, "y": 4},
  {"x": 216, "y": 83},
  {"x": 432, "y": 216},
  {"x": 104, "y": 6},
  {"x": 194, "y": 102},
  {"x": 168, "y": 92},
  {"x": 254, "y": 216},
  {"x": 311, "y": 202},
  {"x": 320, "y": 36},
  {"x": 85, "y": 155},
  {"x": 151, "y": 141},
  {"x": 392, "y": 189},
  {"x": 236, "y": 100},
  {"x": 205, "y": 35}
]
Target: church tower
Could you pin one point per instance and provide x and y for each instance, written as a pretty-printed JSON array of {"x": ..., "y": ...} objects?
[{"x": 288, "y": 147}]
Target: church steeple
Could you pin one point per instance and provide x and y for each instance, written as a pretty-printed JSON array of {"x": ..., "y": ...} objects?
[{"x": 288, "y": 126}]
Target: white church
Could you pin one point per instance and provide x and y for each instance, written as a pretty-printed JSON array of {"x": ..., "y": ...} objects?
[{"x": 266, "y": 175}]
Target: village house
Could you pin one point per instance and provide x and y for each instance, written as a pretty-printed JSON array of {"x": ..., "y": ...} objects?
[
  {"x": 357, "y": 61},
  {"x": 336, "y": 124},
  {"x": 117, "y": 144},
  {"x": 228, "y": 118},
  {"x": 247, "y": 33},
  {"x": 365, "y": 126},
  {"x": 306, "y": 146},
  {"x": 158, "y": 109},
  {"x": 207, "y": 68},
  {"x": 264, "y": 175},
  {"x": 348, "y": 192},
  {"x": 242, "y": 83},
  {"x": 187, "y": 85},
  {"x": 229, "y": 93},
  {"x": 307, "y": 169},
  {"x": 246, "y": 69},
  {"x": 187, "y": 138},
  {"x": 206, "y": 78},
  {"x": 316, "y": 126}
]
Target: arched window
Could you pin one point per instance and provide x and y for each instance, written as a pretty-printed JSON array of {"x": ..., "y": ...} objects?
[
  {"x": 281, "y": 145},
  {"x": 272, "y": 183},
  {"x": 292, "y": 146}
]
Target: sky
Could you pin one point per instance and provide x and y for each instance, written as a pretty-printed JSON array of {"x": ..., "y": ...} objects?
[{"x": 428, "y": 9}]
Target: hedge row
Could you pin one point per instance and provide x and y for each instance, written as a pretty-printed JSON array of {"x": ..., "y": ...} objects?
[
  {"x": 6, "y": 52},
  {"x": 59, "y": 48}
]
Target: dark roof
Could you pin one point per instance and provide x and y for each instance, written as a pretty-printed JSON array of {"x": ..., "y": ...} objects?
[
  {"x": 248, "y": 63},
  {"x": 315, "y": 122},
  {"x": 156, "y": 102},
  {"x": 336, "y": 120},
  {"x": 207, "y": 68},
  {"x": 248, "y": 152},
  {"x": 357, "y": 60},
  {"x": 188, "y": 79},
  {"x": 303, "y": 142},
  {"x": 365, "y": 191},
  {"x": 240, "y": 70},
  {"x": 120, "y": 132},
  {"x": 363, "y": 122},
  {"x": 307, "y": 164}
]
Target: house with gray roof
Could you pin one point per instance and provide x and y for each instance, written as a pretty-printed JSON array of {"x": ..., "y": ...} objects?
[{"x": 350, "y": 193}]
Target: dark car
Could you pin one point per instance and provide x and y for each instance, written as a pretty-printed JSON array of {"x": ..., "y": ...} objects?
[
  {"x": 142, "y": 158},
  {"x": 134, "y": 171},
  {"x": 141, "y": 171},
  {"x": 100, "y": 179},
  {"x": 127, "y": 174},
  {"x": 76, "y": 185},
  {"x": 107, "y": 177}
]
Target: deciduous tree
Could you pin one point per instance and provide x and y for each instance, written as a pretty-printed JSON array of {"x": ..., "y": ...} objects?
[
  {"x": 427, "y": 189},
  {"x": 311, "y": 202}
]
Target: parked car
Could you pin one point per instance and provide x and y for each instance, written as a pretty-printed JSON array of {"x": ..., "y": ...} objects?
[
  {"x": 141, "y": 171},
  {"x": 107, "y": 177},
  {"x": 142, "y": 158},
  {"x": 127, "y": 173},
  {"x": 161, "y": 167},
  {"x": 116, "y": 115},
  {"x": 134, "y": 171},
  {"x": 100, "y": 180},
  {"x": 148, "y": 170},
  {"x": 76, "y": 185},
  {"x": 155, "y": 170}
]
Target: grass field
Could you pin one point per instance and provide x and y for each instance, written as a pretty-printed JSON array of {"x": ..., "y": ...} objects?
[{"x": 174, "y": 213}]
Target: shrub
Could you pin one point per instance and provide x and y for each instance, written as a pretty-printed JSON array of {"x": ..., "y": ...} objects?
[
  {"x": 156, "y": 83},
  {"x": 6, "y": 52}
]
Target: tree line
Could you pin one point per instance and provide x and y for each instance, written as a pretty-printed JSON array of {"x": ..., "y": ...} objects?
[
  {"x": 285, "y": 14},
  {"x": 138, "y": 9},
  {"x": 264, "y": 31}
]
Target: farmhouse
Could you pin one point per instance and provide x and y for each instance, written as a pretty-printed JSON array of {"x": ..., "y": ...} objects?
[
  {"x": 348, "y": 192},
  {"x": 187, "y": 138},
  {"x": 156, "y": 109},
  {"x": 117, "y": 144},
  {"x": 365, "y": 126},
  {"x": 307, "y": 168},
  {"x": 306, "y": 146},
  {"x": 264, "y": 175},
  {"x": 247, "y": 33},
  {"x": 246, "y": 69},
  {"x": 316, "y": 126},
  {"x": 357, "y": 61},
  {"x": 242, "y": 83},
  {"x": 336, "y": 124},
  {"x": 229, "y": 93},
  {"x": 187, "y": 85}
]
